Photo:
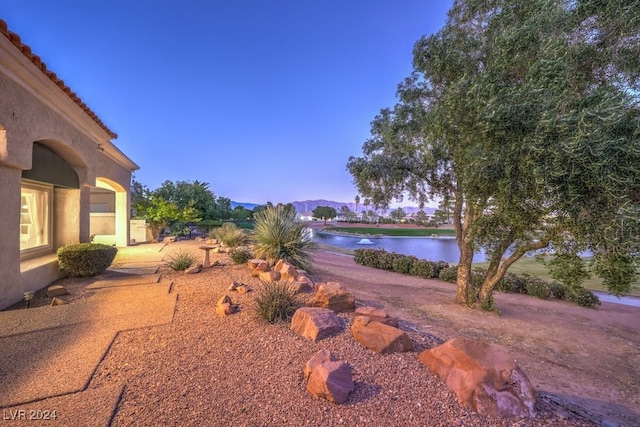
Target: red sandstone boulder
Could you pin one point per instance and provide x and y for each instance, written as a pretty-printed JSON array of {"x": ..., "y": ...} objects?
[
  {"x": 332, "y": 381},
  {"x": 484, "y": 377},
  {"x": 376, "y": 315},
  {"x": 269, "y": 276},
  {"x": 225, "y": 307},
  {"x": 333, "y": 296},
  {"x": 315, "y": 323},
  {"x": 258, "y": 264},
  {"x": 381, "y": 338},
  {"x": 318, "y": 359}
]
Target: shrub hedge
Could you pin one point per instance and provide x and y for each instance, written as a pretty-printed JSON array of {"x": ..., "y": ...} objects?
[
  {"x": 85, "y": 259},
  {"x": 510, "y": 283}
]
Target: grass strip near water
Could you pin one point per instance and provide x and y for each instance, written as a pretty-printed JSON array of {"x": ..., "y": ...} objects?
[
  {"x": 536, "y": 268},
  {"x": 394, "y": 232}
]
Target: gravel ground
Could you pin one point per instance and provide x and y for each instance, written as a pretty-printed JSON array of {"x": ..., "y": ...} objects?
[
  {"x": 237, "y": 370},
  {"x": 202, "y": 369}
]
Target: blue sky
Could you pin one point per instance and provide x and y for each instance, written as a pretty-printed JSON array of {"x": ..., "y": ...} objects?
[{"x": 263, "y": 99}]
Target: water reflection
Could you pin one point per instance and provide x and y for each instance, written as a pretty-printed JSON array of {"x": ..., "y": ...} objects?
[{"x": 434, "y": 249}]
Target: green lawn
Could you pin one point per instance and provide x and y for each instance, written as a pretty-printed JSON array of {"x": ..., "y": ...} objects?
[
  {"x": 536, "y": 268},
  {"x": 408, "y": 232}
]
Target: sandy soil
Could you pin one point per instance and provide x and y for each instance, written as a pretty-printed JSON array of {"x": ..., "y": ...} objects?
[{"x": 590, "y": 357}]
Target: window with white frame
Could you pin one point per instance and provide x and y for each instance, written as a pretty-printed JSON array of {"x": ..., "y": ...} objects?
[{"x": 35, "y": 217}]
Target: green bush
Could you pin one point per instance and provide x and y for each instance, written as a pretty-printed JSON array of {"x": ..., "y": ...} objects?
[
  {"x": 538, "y": 288},
  {"x": 583, "y": 297},
  {"x": 278, "y": 235},
  {"x": 367, "y": 257},
  {"x": 276, "y": 301},
  {"x": 230, "y": 235},
  {"x": 403, "y": 264},
  {"x": 85, "y": 259},
  {"x": 449, "y": 274},
  {"x": 422, "y": 268},
  {"x": 241, "y": 254},
  {"x": 181, "y": 260},
  {"x": 558, "y": 289},
  {"x": 512, "y": 283}
]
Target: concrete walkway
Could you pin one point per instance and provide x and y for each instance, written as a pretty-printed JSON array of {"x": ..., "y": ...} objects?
[{"x": 49, "y": 354}]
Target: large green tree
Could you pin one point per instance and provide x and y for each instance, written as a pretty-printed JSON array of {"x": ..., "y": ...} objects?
[
  {"x": 325, "y": 213},
  {"x": 525, "y": 114},
  {"x": 195, "y": 194}
]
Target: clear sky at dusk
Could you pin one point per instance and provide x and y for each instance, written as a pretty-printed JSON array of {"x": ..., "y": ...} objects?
[{"x": 263, "y": 99}]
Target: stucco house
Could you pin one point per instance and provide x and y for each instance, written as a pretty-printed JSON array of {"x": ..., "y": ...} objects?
[{"x": 55, "y": 156}]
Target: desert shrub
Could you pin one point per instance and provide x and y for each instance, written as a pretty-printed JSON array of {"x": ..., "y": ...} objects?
[
  {"x": 85, "y": 259},
  {"x": 512, "y": 283},
  {"x": 368, "y": 257},
  {"x": 558, "y": 290},
  {"x": 230, "y": 235},
  {"x": 422, "y": 268},
  {"x": 181, "y": 260},
  {"x": 241, "y": 254},
  {"x": 386, "y": 259},
  {"x": 583, "y": 297},
  {"x": 538, "y": 288},
  {"x": 277, "y": 235},
  {"x": 438, "y": 266},
  {"x": 403, "y": 264},
  {"x": 449, "y": 274},
  {"x": 275, "y": 301}
]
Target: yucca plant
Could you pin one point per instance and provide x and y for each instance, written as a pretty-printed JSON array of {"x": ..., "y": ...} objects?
[
  {"x": 230, "y": 235},
  {"x": 181, "y": 260},
  {"x": 275, "y": 301},
  {"x": 277, "y": 235}
]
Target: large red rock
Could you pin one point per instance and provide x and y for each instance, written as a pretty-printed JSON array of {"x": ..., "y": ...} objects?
[
  {"x": 257, "y": 264},
  {"x": 379, "y": 337},
  {"x": 315, "y": 323},
  {"x": 376, "y": 315},
  {"x": 332, "y": 381},
  {"x": 333, "y": 296},
  {"x": 319, "y": 358},
  {"x": 483, "y": 376}
]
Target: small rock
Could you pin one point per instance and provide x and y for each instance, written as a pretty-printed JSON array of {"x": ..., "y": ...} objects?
[
  {"x": 377, "y": 315},
  {"x": 269, "y": 276},
  {"x": 58, "y": 301},
  {"x": 194, "y": 269},
  {"x": 332, "y": 381},
  {"x": 243, "y": 289},
  {"x": 318, "y": 359},
  {"x": 333, "y": 296},
  {"x": 56, "y": 291}
]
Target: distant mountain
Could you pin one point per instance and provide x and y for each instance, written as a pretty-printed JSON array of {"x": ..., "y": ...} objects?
[
  {"x": 310, "y": 205},
  {"x": 248, "y": 206}
]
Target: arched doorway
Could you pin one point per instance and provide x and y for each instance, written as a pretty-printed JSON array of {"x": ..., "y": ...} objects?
[{"x": 109, "y": 213}]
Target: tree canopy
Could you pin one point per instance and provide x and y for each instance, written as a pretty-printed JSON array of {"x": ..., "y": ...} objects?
[
  {"x": 324, "y": 212},
  {"x": 524, "y": 114}
]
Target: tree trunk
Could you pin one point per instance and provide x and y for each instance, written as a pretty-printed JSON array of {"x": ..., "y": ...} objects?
[{"x": 464, "y": 287}]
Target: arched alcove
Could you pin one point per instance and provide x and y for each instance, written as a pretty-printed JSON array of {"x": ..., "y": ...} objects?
[{"x": 109, "y": 212}]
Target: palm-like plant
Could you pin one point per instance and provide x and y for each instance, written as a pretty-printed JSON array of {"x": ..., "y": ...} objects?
[{"x": 277, "y": 235}]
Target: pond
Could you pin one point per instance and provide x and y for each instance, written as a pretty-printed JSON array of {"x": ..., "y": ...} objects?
[{"x": 431, "y": 248}]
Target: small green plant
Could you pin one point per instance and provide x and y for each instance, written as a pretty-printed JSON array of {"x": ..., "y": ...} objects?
[
  {"x": 276, "y": 301},
  {"x": 230, "y": 235},
  {"x": 85, "y": 259},
  {"x": 241, "y": 254},
  {"x": 181, "y": 260}
]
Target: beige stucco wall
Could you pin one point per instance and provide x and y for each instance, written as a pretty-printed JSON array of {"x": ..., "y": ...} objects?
[{"x": 28, "y": 115}]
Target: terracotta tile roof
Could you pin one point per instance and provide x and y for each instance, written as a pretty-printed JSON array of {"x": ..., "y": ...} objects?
[{"x": 26, "y": 50}]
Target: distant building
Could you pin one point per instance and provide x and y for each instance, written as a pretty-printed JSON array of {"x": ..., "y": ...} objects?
[{"x": 57, "y": 165}]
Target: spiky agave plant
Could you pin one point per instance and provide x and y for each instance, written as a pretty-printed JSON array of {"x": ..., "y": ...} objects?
[{"x": 277, "y": 235}]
